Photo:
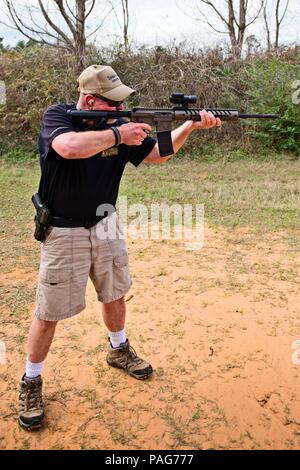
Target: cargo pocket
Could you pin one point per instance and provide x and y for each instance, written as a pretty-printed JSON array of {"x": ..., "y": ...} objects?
[
  {"x": 55, "y": 292},
  {"x": 121, "y": 261},
  {"x": 121, "y": 275}
]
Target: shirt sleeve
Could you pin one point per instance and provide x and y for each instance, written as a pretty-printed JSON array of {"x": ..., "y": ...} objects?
[
  {"x": 55, "y": 122},
  {"x": 136, "y": 154}
]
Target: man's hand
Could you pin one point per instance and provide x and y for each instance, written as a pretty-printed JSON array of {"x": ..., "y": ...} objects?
[
  {"x": 134, "y": 133},
  {"x": 208, "y": 121}
]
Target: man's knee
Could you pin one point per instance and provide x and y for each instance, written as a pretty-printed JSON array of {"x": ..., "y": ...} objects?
[
  {"x": 114, "y": 302},
  {"x": 44, "y": 326}
]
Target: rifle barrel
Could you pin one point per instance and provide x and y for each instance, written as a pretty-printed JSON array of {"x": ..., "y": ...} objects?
[{"x": 259, "y": 116}]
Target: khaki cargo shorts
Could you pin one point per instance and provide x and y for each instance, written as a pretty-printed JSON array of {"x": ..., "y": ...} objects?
[{"x": 68, "y": 257}]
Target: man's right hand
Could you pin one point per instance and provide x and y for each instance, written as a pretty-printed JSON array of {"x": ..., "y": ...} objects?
[{"x": 134, "y": 133}]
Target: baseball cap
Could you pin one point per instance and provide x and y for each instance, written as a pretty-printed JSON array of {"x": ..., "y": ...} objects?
[{"x": 102, "y": 80}]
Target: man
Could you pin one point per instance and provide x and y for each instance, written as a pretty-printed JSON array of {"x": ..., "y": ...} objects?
[{"x": 81, "y": 168}]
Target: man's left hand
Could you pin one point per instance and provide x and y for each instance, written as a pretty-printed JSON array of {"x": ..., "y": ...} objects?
[{"x": 208, "y": 121}]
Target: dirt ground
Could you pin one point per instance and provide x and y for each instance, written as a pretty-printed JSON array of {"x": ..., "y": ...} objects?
[{"x": 218, "y": 326}]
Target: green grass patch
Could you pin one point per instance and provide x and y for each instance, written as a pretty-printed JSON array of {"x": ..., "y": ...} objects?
[
  {"x": 236, "y": 190},
  {"x": 259, "y": 193},
  {"x": 262, "y": 194},
  {"x": 17, "y": 247}
]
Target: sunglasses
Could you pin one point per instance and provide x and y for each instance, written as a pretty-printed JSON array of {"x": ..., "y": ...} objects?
[{"x": 109, "y": 102}]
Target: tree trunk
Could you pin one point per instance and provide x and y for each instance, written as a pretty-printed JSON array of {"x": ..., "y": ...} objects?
[
  {"x": 80, "y": 40},
  {"x": 125, "y": 8},
  {"x": 236, "y": 40},
  {"x": 242, "y": 23},
  {"x": 269, "y": 45}
]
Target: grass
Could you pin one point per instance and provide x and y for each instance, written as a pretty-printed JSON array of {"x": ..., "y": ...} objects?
[
  {"x": 17, "y": 247},
  {"x": 258, "y": 193},
  {"x": 262, "y": 194}
]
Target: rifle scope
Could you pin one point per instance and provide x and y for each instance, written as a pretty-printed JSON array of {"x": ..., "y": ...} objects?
[{"x": 182, "y": 99}]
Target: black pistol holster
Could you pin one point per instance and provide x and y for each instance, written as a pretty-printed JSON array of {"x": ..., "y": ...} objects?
[{"x": 41, "y": 219}]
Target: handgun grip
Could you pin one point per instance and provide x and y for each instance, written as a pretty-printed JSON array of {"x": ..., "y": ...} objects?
[{"x": 37, "y": 202}]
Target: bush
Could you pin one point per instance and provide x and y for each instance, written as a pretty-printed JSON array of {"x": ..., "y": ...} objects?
[
  {"x": 39, "y": 76},
  {"x": 271, "y": 91},
  {"x": 35, "y": 77}
]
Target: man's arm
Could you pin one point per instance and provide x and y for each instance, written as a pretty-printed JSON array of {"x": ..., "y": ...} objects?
[
  {"x": 181, "y": 134},
  {"x": 77, "y": 145}
]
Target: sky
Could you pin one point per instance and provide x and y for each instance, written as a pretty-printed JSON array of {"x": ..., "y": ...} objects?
[{"x": 159, "y": 22}]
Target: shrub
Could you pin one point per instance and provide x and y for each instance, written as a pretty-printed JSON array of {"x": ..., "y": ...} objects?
[{"x": 39, "y": 76}]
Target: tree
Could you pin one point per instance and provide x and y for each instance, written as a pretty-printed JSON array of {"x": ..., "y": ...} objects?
[
  {"x": 125, "y": 10},
  {"x": 278, "y": 21},
  {"x": 63, "y": 26},
  {"x": 124, "y": 4},
  {"x": 234, "y": 15}
]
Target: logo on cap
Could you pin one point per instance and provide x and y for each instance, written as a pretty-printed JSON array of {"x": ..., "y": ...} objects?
[{"x": 113, "y": 78}]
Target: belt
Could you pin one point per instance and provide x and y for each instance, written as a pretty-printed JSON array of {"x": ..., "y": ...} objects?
[{"x": 72, "y": 223}]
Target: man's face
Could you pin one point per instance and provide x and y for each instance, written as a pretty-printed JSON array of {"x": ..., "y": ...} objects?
[{"x": 97, "y": 103}]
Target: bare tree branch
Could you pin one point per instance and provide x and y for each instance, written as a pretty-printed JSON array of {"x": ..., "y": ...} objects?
[
  {"x": 53, "y": 25},
  {"x": 23, "y": 28},
  {"x": 125, "y": 10},
  {"x": 204, "y": 21},
  {"x": 257, "y": 14},
  {"x": 285, "y": 10},
  {"x": 90, "y": 10},
  {"x": 67, "y": 19},
  {"x": 70, "y": 10},
  {"x": 42, "y": 32},
  {"x": 103, "y": 20},
  {"x": 210, "y": 4},
  {"x": 235, "y": 23},
  {"x": 267, "y": 28},
  {"x": 278, "y": 21},
  {"x": 23, "y": 31},
  {"x": 71, "y": 35}
]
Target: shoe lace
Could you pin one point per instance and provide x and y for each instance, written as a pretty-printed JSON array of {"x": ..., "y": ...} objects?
[
  {"x": 132, "y": 358},
  {"x": 30, "y": 396}
]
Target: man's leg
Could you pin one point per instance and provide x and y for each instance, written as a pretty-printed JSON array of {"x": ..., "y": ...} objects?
[
  {"x": 40, "y": 337},
  {"x": 31, "y": 408},
  {"x": 114, "y": 319},
  {"x": 120, "y": 354},
  {"x": 111, "y": 278}
]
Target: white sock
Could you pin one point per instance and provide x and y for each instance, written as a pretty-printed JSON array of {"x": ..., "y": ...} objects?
[
  {"x": 33, "y": 369},
  {"x": 117, "y": 337}
]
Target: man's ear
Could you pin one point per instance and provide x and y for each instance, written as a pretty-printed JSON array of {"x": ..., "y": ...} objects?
[{"x": 90, "y": 100}]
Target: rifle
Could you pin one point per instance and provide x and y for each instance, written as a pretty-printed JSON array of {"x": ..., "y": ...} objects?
[{"x": 162, "y": 118}]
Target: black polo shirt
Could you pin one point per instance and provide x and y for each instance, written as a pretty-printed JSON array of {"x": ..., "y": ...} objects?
[{"x": 74, "y": 188}]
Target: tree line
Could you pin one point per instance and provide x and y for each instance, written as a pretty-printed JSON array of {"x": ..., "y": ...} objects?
[{"x": 68, "y": 26}]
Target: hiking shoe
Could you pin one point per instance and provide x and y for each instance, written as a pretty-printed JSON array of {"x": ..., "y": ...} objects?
[
  {"x": 31, "y": 407},
  {"x": 125, "y": 357}
]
